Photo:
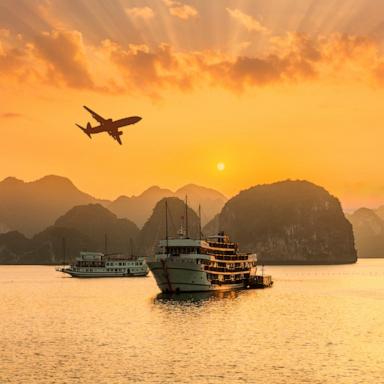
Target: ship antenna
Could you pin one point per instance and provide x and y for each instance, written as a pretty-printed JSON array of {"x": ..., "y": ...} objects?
[
  {"x": 131, "y": 246},
  {"x": 199, "y": 221},
  {"x": 64, "y": 249},
  {"x": 166, "y": 223},
  {"x": 186, "y": 216}
]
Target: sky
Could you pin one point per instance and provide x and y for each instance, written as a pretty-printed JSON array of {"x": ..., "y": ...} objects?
[{"x": 275, "y": 90}]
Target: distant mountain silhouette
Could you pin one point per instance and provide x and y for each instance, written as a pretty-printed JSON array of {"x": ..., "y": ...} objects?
[
  {"x": 47, "y": 246},
  {"x": 82, "y": 227},
  {"x": 368, "y": 229},
  {"x": 380, "y": 212},
  {"x": 13, "y": 248},
  {"x": 139, "y": 208},
  {"x": 31, "y": 207},
  {"x": 44, "y": 248},
  {"x": 154, "y": 228},
  {"x": 95, "y": 221},
  {"x": 210, "y": 200},
  {"x": 213, "y": 226},
  {"x": 289, "y": 222}
]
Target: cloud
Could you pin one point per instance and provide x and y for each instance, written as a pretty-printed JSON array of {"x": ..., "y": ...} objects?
[
  {"x": 247, "y": 21},
  {"x": 180, "y": 10},
  {"x": 10, "y": 115},
  {"x": 16, "y": 58},
  {"x": 145, "y": 13},
  {"x": 63, "y": 53},
  {"x": 62, "y": 58}
]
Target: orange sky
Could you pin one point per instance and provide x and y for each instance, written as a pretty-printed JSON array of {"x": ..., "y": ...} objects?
[{"x": 292, "y": 89}]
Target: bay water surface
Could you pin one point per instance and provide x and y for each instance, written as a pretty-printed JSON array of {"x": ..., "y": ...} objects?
[{"x": 318, "y": 324}]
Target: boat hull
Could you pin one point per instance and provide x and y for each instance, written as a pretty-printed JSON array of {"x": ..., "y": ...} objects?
[
  {"x": 102, "y": 274},
  {"x": 185, "y": 276}
]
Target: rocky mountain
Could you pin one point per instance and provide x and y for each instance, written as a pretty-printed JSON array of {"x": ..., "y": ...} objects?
[
  {"x": 368, "y": 229},
  {"x": 290, "y": 222},
  {"x": 380, "y": 212},
  {"x": 96, "y": 222},
  {"x": 13, "y": 248},
  {"x": 44, "y": 248},
  {"x": 212, "y": 227},
  {"x": 81, "y": 228},
  {"x": 154, "y": 228},
  {"x": 48, "y": 246},
  {"x": 210, "y": 200},
  {"x": 139, "y": 208},
  {"x": 30, "y": 207}
]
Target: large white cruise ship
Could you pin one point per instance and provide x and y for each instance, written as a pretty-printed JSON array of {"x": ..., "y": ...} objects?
[
  {"x": 96, "y": 264},
  {"x": 188, "y": 265}
]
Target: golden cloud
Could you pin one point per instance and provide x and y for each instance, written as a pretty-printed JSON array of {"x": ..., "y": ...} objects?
[
  {"x": 63, "y": 52},
  {"x": 250, "y": 23},
  {"x": 180, "y": 10},
  {"x": 145, "y": 13},
  {"x": 62, "y": 58}
]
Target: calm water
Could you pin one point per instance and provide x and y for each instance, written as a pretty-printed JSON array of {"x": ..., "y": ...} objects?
[{"x": 316, "y": 325}]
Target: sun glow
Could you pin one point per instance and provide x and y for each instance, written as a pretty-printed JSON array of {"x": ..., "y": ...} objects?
[{"x": 220, "y": 167}]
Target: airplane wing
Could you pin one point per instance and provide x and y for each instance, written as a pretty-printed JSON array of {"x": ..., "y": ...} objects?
[
  {"x": 115, "y": 134},
  {"x": 97, "y": 117},
  {"x": 117, "y": 138}
]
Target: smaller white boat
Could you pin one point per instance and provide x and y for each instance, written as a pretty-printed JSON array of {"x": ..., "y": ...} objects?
[{"x": 96, "y": 264}]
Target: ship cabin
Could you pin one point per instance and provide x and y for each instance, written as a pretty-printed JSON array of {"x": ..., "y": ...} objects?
[
  {"x": 90, "y": 259},
  {"x": 97, "y": 259},
  {"x": 220, "y": 257}
]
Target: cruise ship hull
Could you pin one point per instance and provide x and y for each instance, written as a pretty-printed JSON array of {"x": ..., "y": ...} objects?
[
  {"x": 85, "y": 274},
  {"x": 185, "y": 276}
]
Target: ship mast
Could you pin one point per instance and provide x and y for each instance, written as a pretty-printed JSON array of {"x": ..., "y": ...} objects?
[
  {"x": 131, "y": 246},
  {"x": 166, "y": 224},
  {"x": 186, "y": 216},
  {"x": 64, "y": 245},
  {"x": 105, "y": 243},
  {"x": 199, "y": 222}
]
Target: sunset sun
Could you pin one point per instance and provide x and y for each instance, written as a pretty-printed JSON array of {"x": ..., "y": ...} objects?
[{"x": 220, "y": 167}]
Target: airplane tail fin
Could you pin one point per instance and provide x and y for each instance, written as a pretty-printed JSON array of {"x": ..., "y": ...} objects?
[{"x": 85, "y": 129}]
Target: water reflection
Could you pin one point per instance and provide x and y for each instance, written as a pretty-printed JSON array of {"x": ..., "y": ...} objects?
[{"x": 194, "y": 298}]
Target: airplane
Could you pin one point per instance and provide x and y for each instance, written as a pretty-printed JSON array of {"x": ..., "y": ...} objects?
[{"x": 108, "y": 125}]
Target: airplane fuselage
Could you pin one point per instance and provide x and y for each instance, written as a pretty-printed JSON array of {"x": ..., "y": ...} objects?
[{"x": 109, "y": 125}]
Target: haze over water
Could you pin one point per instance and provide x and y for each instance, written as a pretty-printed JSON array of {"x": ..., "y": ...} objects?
[{"x": 317, "y": 325}]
